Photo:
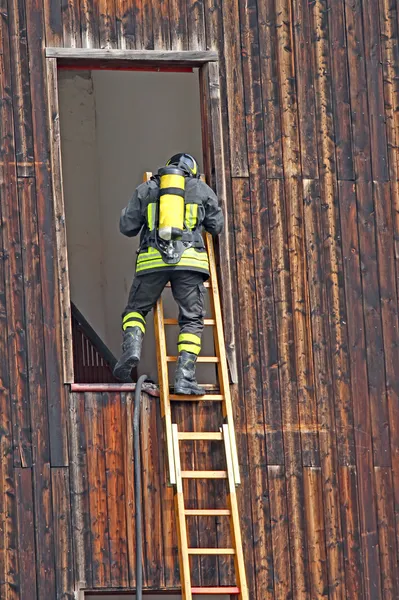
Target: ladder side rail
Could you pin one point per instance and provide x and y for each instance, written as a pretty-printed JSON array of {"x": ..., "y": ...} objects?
[
  {"x": 184, "y": 559},
  {"x": 221, "y": 354},
  {"x": 235, "y": 519}
]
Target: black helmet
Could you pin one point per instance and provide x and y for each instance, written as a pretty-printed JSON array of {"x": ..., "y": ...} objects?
[{"x": 186, "y": 162}]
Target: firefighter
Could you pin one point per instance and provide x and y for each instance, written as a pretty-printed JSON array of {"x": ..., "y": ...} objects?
[{"x": 170, "y": 210}]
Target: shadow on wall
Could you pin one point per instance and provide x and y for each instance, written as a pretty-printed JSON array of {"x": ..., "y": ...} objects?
[{"x": 115, "y": 126}]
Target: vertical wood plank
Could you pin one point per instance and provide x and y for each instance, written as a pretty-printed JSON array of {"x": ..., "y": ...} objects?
[
  {"x": 80, "y": 492},
  {"x": 9, "y": 568},
  {"x": 387, "y": 533},
  {"x": 294, "y": 212},
  {"x": 178, "y": 24},
  {"x": 48, "y": 263},
  {"x": 306, "y": 71},
  {"x": 128, "y": 467},
  {"x": 13, "y": 269},
  {"x": 107, "y": 24},
  {"x": 148, "y": 32},
  {"x": 26, "y": 534},
  {"x": 207, "y": 491},
  {"x": 251, "y": 384},
  {"x": 235, "y": 88},
  {"x": 128, "y": 26},
  {"x": 59, "y": 217},
  {"x": 280, "y": 533},
  {"x": 351, "y": 531},
  {"x": 375, "y": 89},
  {"x": 21, "y": 101},
  {"x": 361, "y": 406},
  {"x": 316, "y": 535},
  {"x": 52, "y": 21},
  {"x": 329, "y": 223},
  {"x": 37, "y": 388},
  {"x": 196, "y": 25},
  {"x": 65, "y": 581},
  {"x": 258, "y": 222},
  {"x": 169, "y": 529},
  {"x": 358, "y": 90},
  {"x": 94, "y": 431},
  {"x": 325, "y": 397},
  {"x": 152, "y": 521},
  {"x": 160, "y": 25},
  {"x": 115, "y": 490},
  {"x": 288, "y": 387},
  {"x": 70, "y": 10},
  {"x": 373, "y": 325},
  {"x": 270, "y": 88},
  {"x": 211, "y": 115},
  {"x": 340, "y": 90},
  {"x": 390, "y": 64},
  {"x": 89, "y": 24},
  {"x": 383, "y": 196}
]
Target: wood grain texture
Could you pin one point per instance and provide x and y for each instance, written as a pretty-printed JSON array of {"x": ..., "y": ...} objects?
[
  {"x": 359, "y": 384},
  {"x": 13, "y": 272},
  {"x": 26, "y": 533},
  {"x": 300, "y": 126},
  {"x": 46, "y": 231},
  {"x": 65, "y": 580}
]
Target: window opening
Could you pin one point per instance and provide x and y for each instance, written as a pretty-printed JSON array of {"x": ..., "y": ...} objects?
[{"x": 115, "y": 125}]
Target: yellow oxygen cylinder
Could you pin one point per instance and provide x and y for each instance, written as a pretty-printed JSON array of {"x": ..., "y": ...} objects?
[{"x": 171, "y": 203}]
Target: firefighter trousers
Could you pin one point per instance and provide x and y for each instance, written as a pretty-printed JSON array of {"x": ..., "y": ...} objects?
[{"x": 189, "y": 293}]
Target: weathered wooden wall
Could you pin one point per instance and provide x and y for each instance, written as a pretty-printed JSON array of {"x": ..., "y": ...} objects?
[{"x": 310, "y": 108}]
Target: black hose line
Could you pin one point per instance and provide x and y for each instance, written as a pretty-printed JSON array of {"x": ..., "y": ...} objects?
[{"x": 137, "y": 486}]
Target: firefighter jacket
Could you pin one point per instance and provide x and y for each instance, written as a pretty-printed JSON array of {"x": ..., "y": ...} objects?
[{"x": 201, "y": 212}]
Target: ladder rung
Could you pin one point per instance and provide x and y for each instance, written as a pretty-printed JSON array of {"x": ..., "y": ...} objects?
[
  {"x": 215, "y": 397},
  {"x": 211, "y": 551},
  {"x": 204, "y": 474},
  {"x": 200, "y": 435},
  {"x": 207, "y": 512},
  {"x": 201, "y": 359},
  {"x": 175, "y": 322},
  {"x": 225, "y": 591}
]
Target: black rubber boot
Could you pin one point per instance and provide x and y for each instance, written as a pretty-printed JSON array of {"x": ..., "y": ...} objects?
[
  {"x": 131, "y": 352},
  {"x": 185, "y": 381}
]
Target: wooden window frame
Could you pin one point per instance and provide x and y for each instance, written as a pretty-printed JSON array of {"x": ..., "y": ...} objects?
[{"x": 213, "y": 155}]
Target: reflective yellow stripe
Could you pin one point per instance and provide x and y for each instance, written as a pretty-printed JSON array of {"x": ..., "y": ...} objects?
[
  {"x": 133, "y": 316},
  {"x": 190, "y": 337},
  {"x": 190, "y": 258},
  {"x": 174, "y": 181},
  {"x": 189, "y": 348},
  {"x": 151, "y": 215},
  {"x": 183, "y": 263},
  {"x": 191, "y": 215},
  {"x": 133, "y": 324}
]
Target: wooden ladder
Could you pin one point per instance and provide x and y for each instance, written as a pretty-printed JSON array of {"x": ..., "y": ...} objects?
[{"x": 226, "y": 435}]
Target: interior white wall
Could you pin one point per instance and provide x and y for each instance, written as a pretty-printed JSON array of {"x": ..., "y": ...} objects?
[
  {"x": 116, "y": 125},
  {"x": 81, "y": 193}
]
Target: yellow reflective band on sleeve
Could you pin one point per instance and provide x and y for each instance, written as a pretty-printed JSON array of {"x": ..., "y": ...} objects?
[
  {"x": 151, "y": 209},
  {"x": 172, "y": 181},
  {"x": 134, "y": 316},
  {"x": 189, "y": 348},
  {"x": 191, "y": 215},
  {"x": 190, "y": 337},
  {"x": 133, "y": 324}
]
